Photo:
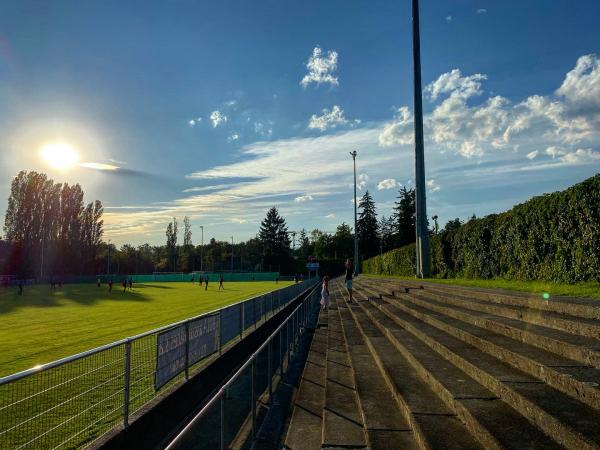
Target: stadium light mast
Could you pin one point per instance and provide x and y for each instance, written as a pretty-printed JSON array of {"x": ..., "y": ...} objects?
[
  {"x": 202, "y": 249},
  {"x": 423, "y": 263},
  {"x": 353, "y": 154}
]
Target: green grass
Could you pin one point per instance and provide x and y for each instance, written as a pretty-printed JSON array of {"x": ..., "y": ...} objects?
[
  {"x": 587, "y": 289},
  {"x": 70, "y": 406},
  {"x": 43, "y": 325}
]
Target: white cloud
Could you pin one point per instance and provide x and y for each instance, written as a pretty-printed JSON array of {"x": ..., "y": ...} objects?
[
  {"x": 98, "y": 166},
  {"x": 388, "y": 183},
  {"x": 363, "y": 178},
  {"x": 321, "y": 68},
  {"x": 456, "y": 126},
  {"x": 448, "y": 19},
  {"x": 217, "y": 118},
  {"x": 432, "y": 186},
  {"x": 233, "y": 137},
  {"x": 329, "y": 119},
  {"x": 481, "y": 11},
  {"x": 193, "y": 122},
  {"x": 303, "y": 198},
  {"x": 581, "y": 87},
  {"x": 532, "y": 155},
  {"x": 456, "y": 85},
  {"x": 400, "y": 130},
  {"x": 330, "y": 216}
]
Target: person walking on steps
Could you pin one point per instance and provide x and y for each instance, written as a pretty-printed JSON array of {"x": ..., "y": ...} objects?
[
  {"x": 348, "y": 279},
  {"x": 325, "y": 293}
]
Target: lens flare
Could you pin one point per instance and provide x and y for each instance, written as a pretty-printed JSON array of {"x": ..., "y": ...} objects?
[{"x": 546, "y": 296}]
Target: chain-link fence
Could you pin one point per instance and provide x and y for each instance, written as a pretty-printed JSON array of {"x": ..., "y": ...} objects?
[
  {"x": 230, "y": 417},
  {"x": 71, "y": 402}
]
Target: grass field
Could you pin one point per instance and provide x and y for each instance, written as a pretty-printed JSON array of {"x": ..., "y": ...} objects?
[
  {"x": 43, "y": 325},
  {"x": 587, "y": 289}
]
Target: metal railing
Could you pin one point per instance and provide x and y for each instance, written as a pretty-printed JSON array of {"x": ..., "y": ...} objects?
[
  {"x": 230, "y": 416},
  {"x": 71, "y": 402}
]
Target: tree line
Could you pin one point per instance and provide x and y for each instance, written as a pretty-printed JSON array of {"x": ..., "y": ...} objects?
[{"x": 49, "y": 231}]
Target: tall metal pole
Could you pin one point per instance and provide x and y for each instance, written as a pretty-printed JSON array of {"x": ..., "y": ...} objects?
[
  {"x": 231, "y": 253},
  {"x": 423, "y": 263},
  {"x": 355, "y": 217},
  {"x": 202, "y": 249}
]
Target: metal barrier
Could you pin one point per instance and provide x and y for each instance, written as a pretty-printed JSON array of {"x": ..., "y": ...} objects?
[
  {"x": 234, "y": 407},
  {"x": 71, "y": 402}
]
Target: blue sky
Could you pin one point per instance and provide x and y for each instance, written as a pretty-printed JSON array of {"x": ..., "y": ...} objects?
[{"x": 200, "y": 108}]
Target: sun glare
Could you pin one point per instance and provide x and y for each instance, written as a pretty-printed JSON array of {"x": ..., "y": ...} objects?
[{"x": 60, "y": 155}]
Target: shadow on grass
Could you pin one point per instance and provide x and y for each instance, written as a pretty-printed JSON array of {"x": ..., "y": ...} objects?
[{"x": 43, "y": 296}]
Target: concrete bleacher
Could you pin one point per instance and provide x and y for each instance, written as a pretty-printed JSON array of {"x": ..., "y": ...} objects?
[{"x": 413, "y": 365}]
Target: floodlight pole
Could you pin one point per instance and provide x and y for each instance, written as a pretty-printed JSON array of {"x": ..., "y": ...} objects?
[
  {"x": 423, "y": 262},
  {"x": 202, "y": 249},
  {"x": 42, "y": 262},
  {"x": 353, "y": 154}
]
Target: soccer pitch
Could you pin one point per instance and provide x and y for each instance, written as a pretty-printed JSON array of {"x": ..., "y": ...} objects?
[{"x": 43, "y": 325}]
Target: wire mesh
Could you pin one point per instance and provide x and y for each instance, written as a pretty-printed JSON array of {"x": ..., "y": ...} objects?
[{"x": 69, "y": 404}]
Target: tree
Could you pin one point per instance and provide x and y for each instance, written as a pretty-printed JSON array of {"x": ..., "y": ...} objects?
[
  {"x": 305, "y": 249},
  {"x": 386, "y": 233},
  {"x": 368, "y": 227},
  {"x": 171, "y": 234},
  {"x": 404, "y": 217},
  {"x": 274, "y": 240},
  {"x": 49, "y": 228},
  {"x": 453, "y": 224},
  {"x": 343, "y": 241}
]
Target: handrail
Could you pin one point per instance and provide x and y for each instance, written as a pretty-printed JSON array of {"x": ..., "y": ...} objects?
[
  {"x": 59, "y": 362},
  {"x": 217, "y": 396}
]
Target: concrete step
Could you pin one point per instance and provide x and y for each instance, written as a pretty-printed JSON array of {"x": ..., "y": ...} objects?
[
  {"x": 386, "y": 427},
  {"x": 582, "y": 349},
  {"x": 571, "y": 377},
  {"x": 342, "y": 421},
  {"x": 491, "y": 420},
  {"x": 567, "y": 420},
  {"x": 304, "y": 430},
  {"x": 582, "y": 307},
  {"x": 432, "y": 421},
  {"x": 560, "y": 321}
]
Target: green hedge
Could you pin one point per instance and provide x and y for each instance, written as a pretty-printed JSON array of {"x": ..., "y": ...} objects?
[{"x": 553, "y": 237}]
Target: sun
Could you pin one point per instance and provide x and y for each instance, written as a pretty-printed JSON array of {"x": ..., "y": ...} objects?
[{"x": 60, "y": 155}]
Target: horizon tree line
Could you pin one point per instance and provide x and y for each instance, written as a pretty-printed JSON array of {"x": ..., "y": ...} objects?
[{"x": 49, "y": 231}]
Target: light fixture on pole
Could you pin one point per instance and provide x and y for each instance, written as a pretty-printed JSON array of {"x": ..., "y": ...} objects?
[
  {"x": 353, "y": 154},
  {"x": 202, "y": 249},
  {"x": 423, "y": 263}
]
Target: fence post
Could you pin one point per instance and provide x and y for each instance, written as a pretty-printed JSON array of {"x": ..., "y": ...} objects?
[
  {"x": 223, "y": 397},
  {"x": 269, "y": 356},
  {"x": 126, "y": 383},
  {"x": 220, "y": 331},
  {"x": 187, "y": 350},
  {"x": 254, "y": 311},
  {"x": 280, "y": 355},
  {"x": 253, "y": 375},
  {"x": 243, "y": 307}
]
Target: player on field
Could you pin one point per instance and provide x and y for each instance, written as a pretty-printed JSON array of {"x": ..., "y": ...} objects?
[
  {"x": 206, "y": 281},
  {"x": 110, "y": 283},
  {"x": 221, "y": 283}
]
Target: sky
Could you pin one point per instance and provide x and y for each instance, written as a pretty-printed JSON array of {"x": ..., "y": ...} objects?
[{"x": 220, "y": 110}]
